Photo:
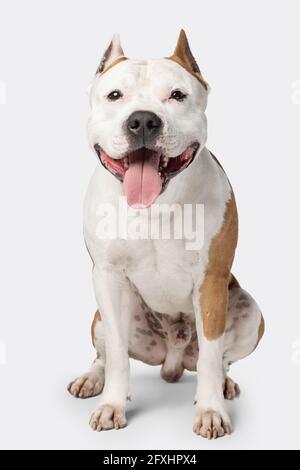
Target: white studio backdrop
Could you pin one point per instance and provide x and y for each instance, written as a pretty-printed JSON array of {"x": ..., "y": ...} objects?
[{"x": 249, "y": 53}]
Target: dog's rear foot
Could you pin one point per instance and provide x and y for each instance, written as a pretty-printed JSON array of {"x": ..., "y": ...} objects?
[
  {"x": 88, "y": 385},
  {"x": 231, "y": 389}
]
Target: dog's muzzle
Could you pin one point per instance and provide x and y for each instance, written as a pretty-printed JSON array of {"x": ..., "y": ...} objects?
[{"x": 145, "y": 173}]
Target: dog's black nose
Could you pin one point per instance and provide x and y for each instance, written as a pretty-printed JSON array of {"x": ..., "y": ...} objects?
[{"x": 144, "y": 124}]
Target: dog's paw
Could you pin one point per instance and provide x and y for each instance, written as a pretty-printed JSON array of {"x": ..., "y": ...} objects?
[
  {"x": 88, "y": 385},
  {"x": 211, "y": 424},
  {"x": 231, "y": 389},
  {"x": 108, "y": 417}
]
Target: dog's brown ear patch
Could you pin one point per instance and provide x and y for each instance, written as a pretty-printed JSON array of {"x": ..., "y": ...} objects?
[
  {"x": 112, "y": 56},
  {"x": 184, "y": 57}
]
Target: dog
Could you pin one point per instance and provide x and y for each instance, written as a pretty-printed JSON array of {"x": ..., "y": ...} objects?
[{"x": 159, "y": 302}]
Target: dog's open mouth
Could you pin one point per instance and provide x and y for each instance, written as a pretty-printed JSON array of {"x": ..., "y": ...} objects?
[{"x": 145, "y": 173}]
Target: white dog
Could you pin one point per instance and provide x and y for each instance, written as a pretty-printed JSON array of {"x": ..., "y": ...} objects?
[{"x": 160, "y": 302}]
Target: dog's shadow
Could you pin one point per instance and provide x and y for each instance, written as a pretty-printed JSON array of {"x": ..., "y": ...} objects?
[{"x": 151, "y": 392}]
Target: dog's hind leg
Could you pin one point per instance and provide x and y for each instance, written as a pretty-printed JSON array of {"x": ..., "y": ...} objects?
[
  {"x": 91, "y": 383},
  {"x": 244, "y": 329}
]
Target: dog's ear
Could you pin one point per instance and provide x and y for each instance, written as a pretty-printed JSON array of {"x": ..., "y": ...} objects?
[
  {"x": 183, "y": 56},
  {"x": 183, "y": 53},
  {"x": 112, "y": 53}
]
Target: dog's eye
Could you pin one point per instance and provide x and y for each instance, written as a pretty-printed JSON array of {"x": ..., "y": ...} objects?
[
  {"x": 114, "y": 95},
  {"x": 178, "y": 95}
]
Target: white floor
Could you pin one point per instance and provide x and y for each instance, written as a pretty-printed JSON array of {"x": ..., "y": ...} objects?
[{"x": 37, "y": 412}]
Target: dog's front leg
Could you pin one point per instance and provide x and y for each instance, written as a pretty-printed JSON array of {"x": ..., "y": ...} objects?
[
  {"x": 113, "y": 291},
  {"x": 211, "y": 420},
  {"x": 211, "y": 306}
]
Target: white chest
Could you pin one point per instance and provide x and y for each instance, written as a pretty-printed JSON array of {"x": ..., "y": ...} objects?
[{"x": 164, "y": 271}]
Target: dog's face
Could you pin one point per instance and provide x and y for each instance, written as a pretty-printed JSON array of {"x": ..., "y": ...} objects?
[{"x": 147, "y": 119}]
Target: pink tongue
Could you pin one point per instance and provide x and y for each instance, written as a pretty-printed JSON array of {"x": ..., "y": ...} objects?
[{"x": 142, "y": 183}]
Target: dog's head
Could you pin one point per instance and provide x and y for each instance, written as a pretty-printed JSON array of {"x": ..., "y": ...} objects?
[{"x": 147, "y": 121}]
